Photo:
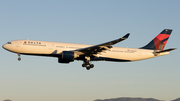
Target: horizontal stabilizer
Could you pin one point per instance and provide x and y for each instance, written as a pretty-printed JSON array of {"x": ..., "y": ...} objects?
[{"x": 167, "y": 50}]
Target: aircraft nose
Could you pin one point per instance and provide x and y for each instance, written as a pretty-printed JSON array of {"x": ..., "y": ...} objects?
[{"x": 4, "y": 46}]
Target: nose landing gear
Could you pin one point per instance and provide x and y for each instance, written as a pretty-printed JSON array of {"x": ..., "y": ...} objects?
[{"x": 19, "y": 57}]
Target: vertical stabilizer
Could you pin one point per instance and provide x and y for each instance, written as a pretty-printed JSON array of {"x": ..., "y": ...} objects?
[{"x": 159, "y": 42}]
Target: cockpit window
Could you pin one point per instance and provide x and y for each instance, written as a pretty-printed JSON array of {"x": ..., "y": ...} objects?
[{"x": 9, "y": 43}]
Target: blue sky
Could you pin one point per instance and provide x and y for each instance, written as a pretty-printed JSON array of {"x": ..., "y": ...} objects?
[{"x": 88, "y": 22}]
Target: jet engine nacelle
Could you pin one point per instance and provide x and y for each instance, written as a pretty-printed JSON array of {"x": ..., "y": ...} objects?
[{"x": 67, "y": 56}]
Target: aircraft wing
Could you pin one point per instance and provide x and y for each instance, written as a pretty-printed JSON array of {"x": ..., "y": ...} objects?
[{"x": 97, "y": 49}]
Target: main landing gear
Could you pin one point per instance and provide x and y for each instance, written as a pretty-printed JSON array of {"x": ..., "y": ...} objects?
[
  {"x": 19, "y": 57},
  {"x": 87, "y": 65}
]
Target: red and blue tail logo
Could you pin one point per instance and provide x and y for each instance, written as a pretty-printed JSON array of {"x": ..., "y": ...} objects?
[{"x": 159, "y": 42}]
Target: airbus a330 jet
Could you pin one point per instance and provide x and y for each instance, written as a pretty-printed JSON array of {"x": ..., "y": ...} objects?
[{"x": 68, "y": 52}]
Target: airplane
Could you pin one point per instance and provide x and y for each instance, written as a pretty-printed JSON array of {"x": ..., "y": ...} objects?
[{"x": 68, "y": 52}]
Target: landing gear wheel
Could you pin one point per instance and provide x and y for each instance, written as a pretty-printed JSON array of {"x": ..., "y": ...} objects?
[
  {"x": 87, "y": 63},
  {"x": 88, "y": 67},
  {"x": 91, "y": 65},
  {"x": 19, "y": 59},
  {"x": 84, "y": 65}
]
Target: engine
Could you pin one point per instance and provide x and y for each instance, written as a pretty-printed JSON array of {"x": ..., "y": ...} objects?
[{"x": 67, "y": 56}]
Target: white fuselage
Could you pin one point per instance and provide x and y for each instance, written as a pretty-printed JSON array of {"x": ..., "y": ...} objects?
[{"x": 44, "y": 48}]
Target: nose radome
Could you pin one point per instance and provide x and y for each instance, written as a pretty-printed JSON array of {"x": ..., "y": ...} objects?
[{"x": 4, "y": 46}]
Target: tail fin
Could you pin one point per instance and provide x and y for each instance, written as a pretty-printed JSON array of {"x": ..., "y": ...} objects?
[{"x": 159, "y": 42}]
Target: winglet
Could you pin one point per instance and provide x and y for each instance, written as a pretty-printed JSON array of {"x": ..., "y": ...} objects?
[{"x": 126, "y": 36}]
